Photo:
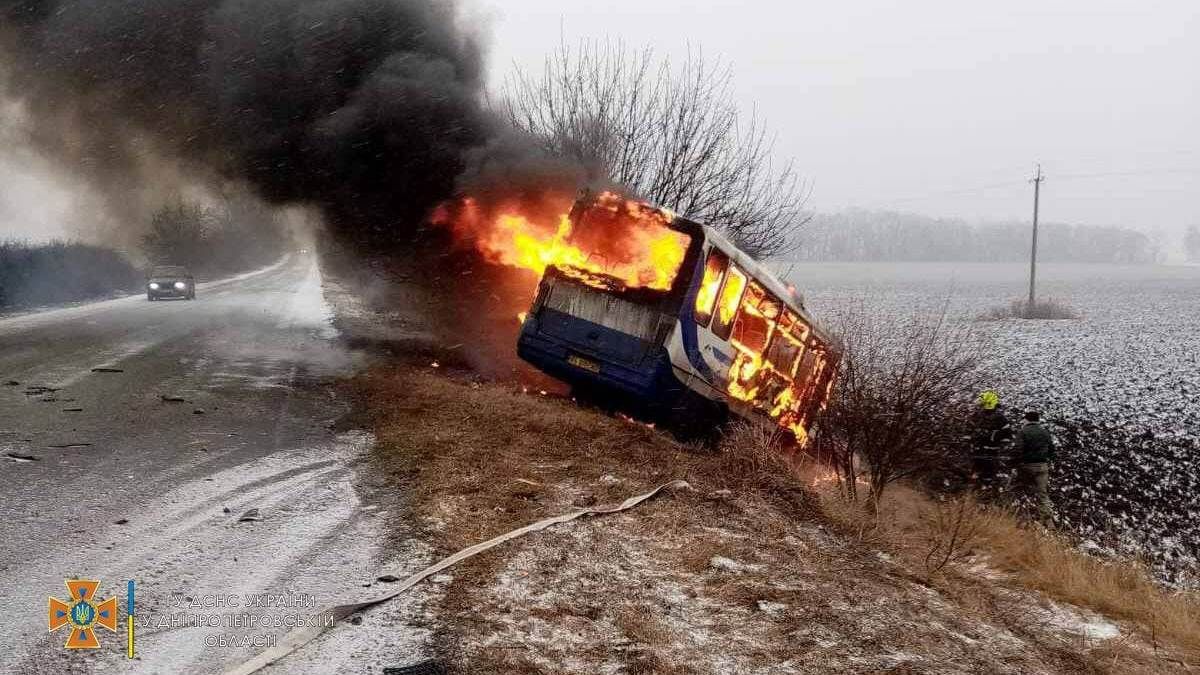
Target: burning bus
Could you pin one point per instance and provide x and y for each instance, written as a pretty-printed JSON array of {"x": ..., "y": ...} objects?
[{"x": 670, "y": 319}]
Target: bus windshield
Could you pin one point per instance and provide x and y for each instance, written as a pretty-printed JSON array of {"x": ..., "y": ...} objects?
[{"x": 618, "y": 244}]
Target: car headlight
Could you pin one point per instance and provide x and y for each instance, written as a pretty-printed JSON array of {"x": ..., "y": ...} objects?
[
  {"x": 179, "y": 285},
  {"x": 154, "y": 285}
]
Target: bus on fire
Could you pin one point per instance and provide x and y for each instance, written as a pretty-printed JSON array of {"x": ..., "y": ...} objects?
[{"x": 699, "y": 332}]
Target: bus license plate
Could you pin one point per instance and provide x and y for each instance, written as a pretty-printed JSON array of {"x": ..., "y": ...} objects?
[{"x": 580, "y": 362}]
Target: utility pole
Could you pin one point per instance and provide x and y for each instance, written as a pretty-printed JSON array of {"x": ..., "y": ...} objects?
[{"x": 1037, "y": 185}]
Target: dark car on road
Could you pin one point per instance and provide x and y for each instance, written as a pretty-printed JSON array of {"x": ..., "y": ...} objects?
[{"x": 170, "y": 281}]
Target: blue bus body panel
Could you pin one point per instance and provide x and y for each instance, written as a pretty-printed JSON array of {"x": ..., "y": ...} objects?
[
  {"x": 627, "y": 364},
  {"x": 592, "y": 339}
]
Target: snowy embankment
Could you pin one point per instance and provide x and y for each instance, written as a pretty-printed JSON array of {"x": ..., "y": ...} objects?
[{"x": 1121, "y": 386}]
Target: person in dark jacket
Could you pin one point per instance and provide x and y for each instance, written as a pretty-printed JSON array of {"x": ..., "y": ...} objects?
[
  {"x": 1034, "y": 450},
  {"x": 991, "y": 433}
]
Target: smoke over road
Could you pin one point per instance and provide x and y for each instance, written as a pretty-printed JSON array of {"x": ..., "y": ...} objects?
[{"x": 370, "y": 110}]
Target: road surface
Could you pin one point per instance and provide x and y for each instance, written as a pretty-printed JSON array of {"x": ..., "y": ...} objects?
[{"x": 134, "y": 437}]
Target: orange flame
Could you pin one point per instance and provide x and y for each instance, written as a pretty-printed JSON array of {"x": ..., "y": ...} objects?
[
  {"x": 776, "y": 368},
  {"x": 619, "y": 243}
]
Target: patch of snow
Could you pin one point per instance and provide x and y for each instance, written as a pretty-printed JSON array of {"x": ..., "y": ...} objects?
[
  {"x": 724, "y": 564},
  {"x": 771, "y": 609},
  {"x": 1081, "y": 622}
]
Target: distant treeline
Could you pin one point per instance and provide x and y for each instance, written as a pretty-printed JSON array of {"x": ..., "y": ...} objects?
[
  {"x": 58, "y": 272},
  {"x": 210, "y": 241},
  {"x": 859, "y": 235}
]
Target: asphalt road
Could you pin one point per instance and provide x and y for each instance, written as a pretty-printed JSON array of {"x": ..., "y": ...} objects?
[{"x": 136, "y": 438}]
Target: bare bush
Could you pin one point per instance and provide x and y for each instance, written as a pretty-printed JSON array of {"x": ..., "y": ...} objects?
[
  {"x": 952, "y": 533},
  {"x": 670, "y": 133},
  {"x": 1044, "y": 310},
  {"x": 897, "y": 409},
  {"x": 56, "y": 272},
  {"x": 239, "y": 234}
]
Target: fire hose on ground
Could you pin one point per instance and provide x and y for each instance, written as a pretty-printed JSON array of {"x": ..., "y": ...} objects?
[{"x": 298, "y": 637}]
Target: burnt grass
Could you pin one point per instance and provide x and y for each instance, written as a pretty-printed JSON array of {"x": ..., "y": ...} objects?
[{"x": 1130, "y": 492}]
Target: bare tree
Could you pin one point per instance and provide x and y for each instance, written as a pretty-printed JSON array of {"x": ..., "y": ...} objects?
[
  {"x": 1191, "y": 243},
  {"x": 898, "y": 406},
  {"x": 236, "y": 234},
  {"x": 178, "y": 233},
  {"x": 670, "y": 133}
]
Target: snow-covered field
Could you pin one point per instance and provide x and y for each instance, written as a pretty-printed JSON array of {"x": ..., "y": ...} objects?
[{"x": 1121, "y": 385}]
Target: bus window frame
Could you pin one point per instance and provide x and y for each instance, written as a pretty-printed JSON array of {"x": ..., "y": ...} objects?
[
  {"x": 723, "y": 330},
  {"x": 705, "y": 318},
  {"x": 764, "y": 299},
  {"x": 786, "y": 325}
]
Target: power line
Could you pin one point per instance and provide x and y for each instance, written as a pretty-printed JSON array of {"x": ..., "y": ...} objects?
[
  {"x": 1140, "y": 172},
  {"x": 980, "y": 188},
  {"x": 1068, "y": 176}
]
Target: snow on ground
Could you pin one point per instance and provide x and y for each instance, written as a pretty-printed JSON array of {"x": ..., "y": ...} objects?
[
  {"x": 1121, "y": 386},
  {"x": 625, "y": 594}
]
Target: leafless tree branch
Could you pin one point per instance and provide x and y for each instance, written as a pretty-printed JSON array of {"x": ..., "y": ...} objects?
[{"x": 670, "y": 133}]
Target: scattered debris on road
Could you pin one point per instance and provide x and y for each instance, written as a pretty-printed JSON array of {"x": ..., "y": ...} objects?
[
  {"x": 107, "y": 370},
  {"x": 123, "y": 521},
  {"x": 250, "y": 516},
  {"x": 18, "y": 457},
  {"x": 72, "y": 409},
  {"x": 12, "y": 383},
  {"x": 172, "y": 399},
  {"x": 39, "y": 390}
]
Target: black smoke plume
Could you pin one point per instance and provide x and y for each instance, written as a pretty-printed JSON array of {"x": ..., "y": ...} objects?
[{"x": 366, "y": 109}]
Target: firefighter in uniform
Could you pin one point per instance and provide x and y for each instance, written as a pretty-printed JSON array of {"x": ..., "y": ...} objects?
[{"x": 991, "y": 433}]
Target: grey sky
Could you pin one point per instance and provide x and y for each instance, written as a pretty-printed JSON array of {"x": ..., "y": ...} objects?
[
  {"x": 888, "y": 104},
  {"x": 933, "y": 106}
]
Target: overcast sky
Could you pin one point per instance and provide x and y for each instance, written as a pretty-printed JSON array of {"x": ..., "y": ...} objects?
[
  {"x": 919, "y": 104},
  {"x": 933, "y": 106}
]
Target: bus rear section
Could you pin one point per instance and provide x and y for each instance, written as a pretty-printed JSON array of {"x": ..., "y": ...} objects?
[{"x": 602, "y": 326}]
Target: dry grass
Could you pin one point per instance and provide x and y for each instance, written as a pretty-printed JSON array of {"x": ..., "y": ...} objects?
[
  {"x": 478, "y": 459},
  {"x": 1118, "y": 589},
  {"x": 506, "y": 450},
  {"x": 912, "y": 525}
]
